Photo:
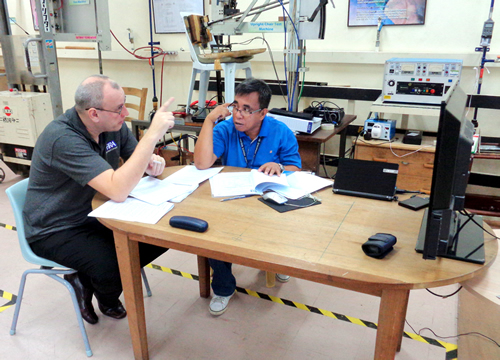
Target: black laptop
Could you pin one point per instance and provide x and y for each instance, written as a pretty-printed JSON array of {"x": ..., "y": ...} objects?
[{"x": 369, "y": 179}]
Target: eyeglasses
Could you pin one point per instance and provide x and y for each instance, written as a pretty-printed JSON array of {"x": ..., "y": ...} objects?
[
  {"x": 244, "y": 112},
  {"x": 119, "y": 112}
]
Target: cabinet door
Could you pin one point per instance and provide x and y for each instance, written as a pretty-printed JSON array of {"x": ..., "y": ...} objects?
[{"x": 415, "y": 169}]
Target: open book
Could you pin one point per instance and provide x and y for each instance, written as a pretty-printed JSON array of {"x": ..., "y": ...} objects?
[
  {"x": 294, "y": 186},
  {"x": 245, "y": 183}
]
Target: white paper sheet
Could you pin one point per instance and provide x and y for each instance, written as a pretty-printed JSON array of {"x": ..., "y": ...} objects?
[
  {"x": 132, "y": 210},
  {"x": 190, "y": 175},
  {"x": 155, "y": 191},
  {"x": 245, "y": 183}
]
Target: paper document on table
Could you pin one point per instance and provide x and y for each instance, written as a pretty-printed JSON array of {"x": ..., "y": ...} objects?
[
  {"x": 245, "y": 183},
  {"x": 302, "y": 183},
  {"x": 132, "y": 210},
  {"x": 155, "y": 191},
  {"x": 179, "y": 198},
  {"x": 190, "y": 175}
]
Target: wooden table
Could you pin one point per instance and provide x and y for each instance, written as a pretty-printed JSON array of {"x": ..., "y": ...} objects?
[
  {"x": 319, "y": 243},
  {"x": 309, "y": 144},
  {"x": 479, "y": 311}
]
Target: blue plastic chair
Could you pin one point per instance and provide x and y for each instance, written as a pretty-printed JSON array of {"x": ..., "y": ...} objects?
[{"x": 17, "y": 197}]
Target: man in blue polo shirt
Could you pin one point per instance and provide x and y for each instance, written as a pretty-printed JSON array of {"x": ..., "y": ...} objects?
[{"x": 250, "y": 139}]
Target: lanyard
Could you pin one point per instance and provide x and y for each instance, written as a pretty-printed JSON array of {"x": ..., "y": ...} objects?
[{"x": 259, "y": 139}]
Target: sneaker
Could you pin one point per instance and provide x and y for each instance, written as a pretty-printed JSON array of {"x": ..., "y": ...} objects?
[
  {"x": 282, "y": 278},
  {"x": 218, "y": 304}
]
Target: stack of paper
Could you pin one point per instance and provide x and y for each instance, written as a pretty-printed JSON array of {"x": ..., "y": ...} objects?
[
  {"x": 151, "y": 199},
  {"x": 132, "y": 210},
  {"x": 156, "y": 192}
]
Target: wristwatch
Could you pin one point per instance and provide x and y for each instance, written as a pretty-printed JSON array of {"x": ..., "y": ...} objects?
[{"x": 282, "y": 168}]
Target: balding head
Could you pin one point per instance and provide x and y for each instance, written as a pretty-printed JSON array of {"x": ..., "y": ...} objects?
[{"x": 90, "y": 92}]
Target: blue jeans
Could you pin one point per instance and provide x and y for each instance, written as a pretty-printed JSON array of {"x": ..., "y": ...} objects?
[{"x": 223, "y": 280}]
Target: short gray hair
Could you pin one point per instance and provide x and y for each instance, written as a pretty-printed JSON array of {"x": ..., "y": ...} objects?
[{"x": 90, "y": 94}]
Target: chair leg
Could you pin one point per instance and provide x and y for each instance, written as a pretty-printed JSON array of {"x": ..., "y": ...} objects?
[
  {"x": 194, "y": 72},
  {"x": 88, "y": 350},
  {"x": 18, "y": 302},
  {"x": 202, "y": 96},
  {"x": 229, "y": 79},
  {"x": 146, "y": 282},
  {"x": 248, "y": 71}
]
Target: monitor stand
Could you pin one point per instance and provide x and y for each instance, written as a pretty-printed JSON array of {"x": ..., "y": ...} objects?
[{"x": 469, "y": 245}]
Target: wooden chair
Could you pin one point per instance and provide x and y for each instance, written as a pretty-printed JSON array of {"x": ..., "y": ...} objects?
[{"x": 142, "y": 94}]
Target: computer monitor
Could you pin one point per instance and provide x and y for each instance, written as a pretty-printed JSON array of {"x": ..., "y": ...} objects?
[{"x": 444, "y": 231}]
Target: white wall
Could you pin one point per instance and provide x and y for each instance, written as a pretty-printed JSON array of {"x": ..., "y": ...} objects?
[{"x": 345, "y": 57}]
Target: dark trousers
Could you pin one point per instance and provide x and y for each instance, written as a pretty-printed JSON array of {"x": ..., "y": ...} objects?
[
  {"x": 90, "y": 249},
  {"x": 223, "y": 280}
]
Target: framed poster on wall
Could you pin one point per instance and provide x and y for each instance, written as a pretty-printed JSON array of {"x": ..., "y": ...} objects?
[
  {"x": 167, "y": 14},
  {"x": 390, "y": 12}
]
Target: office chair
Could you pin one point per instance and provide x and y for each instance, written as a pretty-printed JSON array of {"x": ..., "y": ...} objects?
[
  {"x": 203, "y": 64},
  {"x": 17, "y": 197}
]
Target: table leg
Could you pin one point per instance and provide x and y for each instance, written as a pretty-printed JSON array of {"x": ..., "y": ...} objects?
[
  {"x": 204, "y": 276},
  {"x": 343, "y": 138},
  {"x": 391, "y": 319},
  {"x": 270, "y": 279},
  {"x": 130, "y": 272},
  {"x": 310, "y": 155}
]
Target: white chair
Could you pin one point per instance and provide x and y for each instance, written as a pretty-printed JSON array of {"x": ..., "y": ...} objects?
[{"x": 230, "y": 62}]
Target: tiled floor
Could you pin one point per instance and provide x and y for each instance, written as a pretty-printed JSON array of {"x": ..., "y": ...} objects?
[{"x": 180, "y": 327}]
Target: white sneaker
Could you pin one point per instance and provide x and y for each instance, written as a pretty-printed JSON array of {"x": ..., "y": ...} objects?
[
  {"x": 218, "y": 304},
  {"x": 282, "y": 278}
]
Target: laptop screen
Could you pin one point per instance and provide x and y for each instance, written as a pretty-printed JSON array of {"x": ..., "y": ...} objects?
[{"x": 372, "y": 179}]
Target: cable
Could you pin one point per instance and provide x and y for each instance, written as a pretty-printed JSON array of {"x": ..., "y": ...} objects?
[
  {"x": 450, "y": 337},
  {"x": 445, "y": 296},
  {"x": 157, "y": 48},
  {"x": 60, "y": 7},
  {"x": 272, "y": 60},
  {"x": 284, "y": 55},
  {"x": 471, "y": 217},
  {"x": 15, "y": 22},
  {"x": 413, "y": 152}
]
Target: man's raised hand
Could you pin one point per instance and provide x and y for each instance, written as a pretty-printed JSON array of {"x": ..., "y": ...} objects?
[{"x": 164, "y": 119}]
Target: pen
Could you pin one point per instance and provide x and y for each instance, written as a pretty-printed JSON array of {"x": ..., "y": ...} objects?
[
  {"x": 156, "y": 162},
  {"x": 236, "y": 197}
]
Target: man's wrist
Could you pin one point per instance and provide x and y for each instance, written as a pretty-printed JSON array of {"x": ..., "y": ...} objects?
[{"x": 282, "y": 167}]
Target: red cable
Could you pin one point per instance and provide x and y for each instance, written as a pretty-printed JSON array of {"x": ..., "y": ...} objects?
[
  {"x": 60, "y": 7},
  {"x": 143, "y": 47}
]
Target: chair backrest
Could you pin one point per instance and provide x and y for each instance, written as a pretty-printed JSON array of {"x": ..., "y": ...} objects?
[
  {"x": 17, "y": 197},
  {"x": 194, "y": 50},
  {"x": 142, "y": 95}
]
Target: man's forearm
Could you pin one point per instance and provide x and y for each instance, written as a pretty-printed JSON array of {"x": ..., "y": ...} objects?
[
  {"x": 204, "y": 149},
  {"x": 118, "y": 184}
]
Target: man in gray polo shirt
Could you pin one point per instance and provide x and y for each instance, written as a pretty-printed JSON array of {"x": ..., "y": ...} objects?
[{"x": 75, "y": 156}]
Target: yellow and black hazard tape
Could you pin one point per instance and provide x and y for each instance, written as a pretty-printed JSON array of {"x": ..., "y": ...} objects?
[
  {"x": 11, "y": 297},
  {"x": 9, "y": 227},
  {"x": 4, "y": 294},
  {"x": 451, "y": 349}
]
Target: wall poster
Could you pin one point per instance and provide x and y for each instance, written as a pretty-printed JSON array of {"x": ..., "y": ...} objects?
[{"x": 390, "y": 12}]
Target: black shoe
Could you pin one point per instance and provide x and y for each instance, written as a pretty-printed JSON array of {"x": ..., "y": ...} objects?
[
  {"x": 84, "y": 298},
  {"x": 116, "y": 312}
]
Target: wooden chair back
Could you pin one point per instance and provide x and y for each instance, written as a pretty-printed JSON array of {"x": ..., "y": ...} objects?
[{"x": 140, "y": 108}]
